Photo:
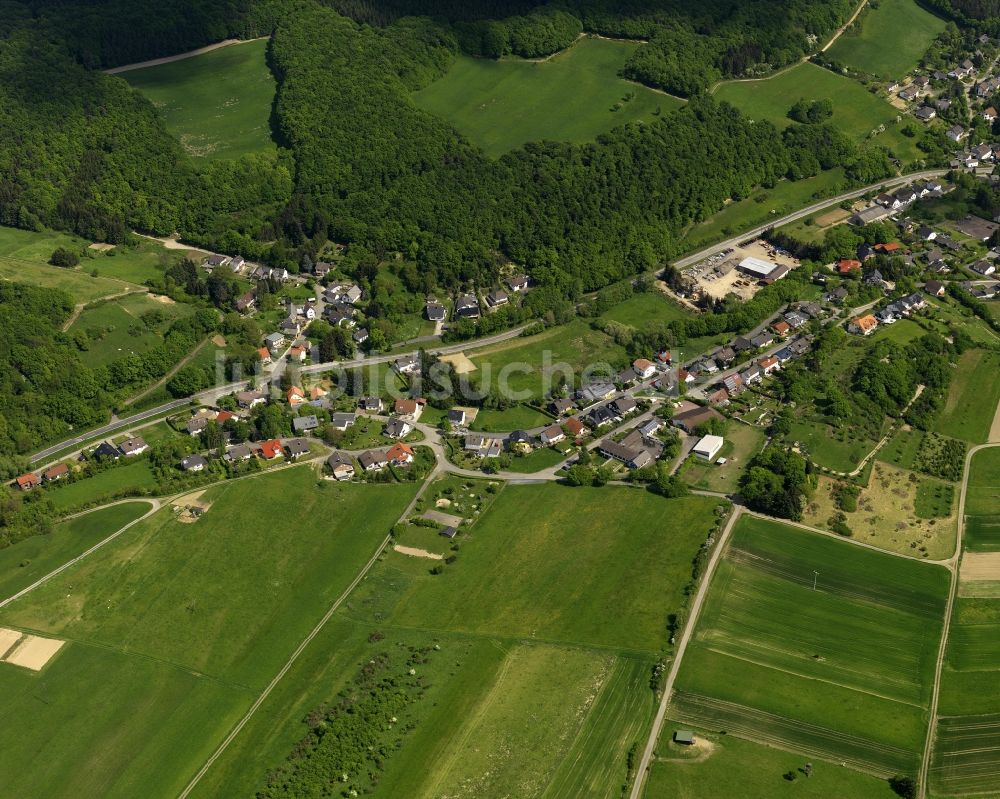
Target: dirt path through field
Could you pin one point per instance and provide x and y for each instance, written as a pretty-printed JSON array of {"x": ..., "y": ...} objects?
[
  {"x": 415, "y": 552},
  {"x": 155, "y": 62},
  {"x": 78, "y": 308}
]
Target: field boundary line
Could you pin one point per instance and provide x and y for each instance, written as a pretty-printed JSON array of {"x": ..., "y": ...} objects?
[
  {"x": 647, "y": 754},
  {"x": 155, "y": 506},
  {"x": 931, "y": 736}
]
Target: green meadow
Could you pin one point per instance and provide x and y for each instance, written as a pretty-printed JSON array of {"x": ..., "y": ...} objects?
[
  {"x": 856, "y": 111},
  {"x": 982, "y": 502},
  {"x": 529, "y": 363},
  {"x": 816, "y": 646},
  {"x": 572, "y": 96},
  {"x": 174, "y": 628},
  {"x": 31, "y": 559},
  {"x": 889, "y": 40},
  {"x": 645, "y": 308},
  {"x": 105, "y": 485},
  {"x": 542, "y": 681},
  {"x": 972, "y": 397},
  {"x": 217, "y": 104}
]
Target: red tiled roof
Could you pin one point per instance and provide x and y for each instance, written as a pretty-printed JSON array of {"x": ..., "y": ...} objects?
[
  {"x": 270, "y": 448},
  {"x": 27, "y": 480}
]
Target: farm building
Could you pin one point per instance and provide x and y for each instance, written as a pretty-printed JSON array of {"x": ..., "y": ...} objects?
[{"x": 708, "y": 447}]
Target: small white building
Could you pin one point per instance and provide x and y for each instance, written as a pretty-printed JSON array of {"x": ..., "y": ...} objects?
[{"x": 708, "y": 447}]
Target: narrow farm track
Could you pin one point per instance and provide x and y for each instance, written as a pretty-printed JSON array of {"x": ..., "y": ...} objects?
[
  {"x": 952, "y": 565},
  {"x": 642, "y": 768},
  {"x": 155, "y": 62}
]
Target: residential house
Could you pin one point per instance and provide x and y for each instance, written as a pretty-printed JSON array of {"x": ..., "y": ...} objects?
[
  {"x": 847, "y": 265},
  {"x": 649, "y": 428},
  {"x": 983, "y": 267},
  {"x": 688, "y": 421},
  {"x": 28, "y": 481},
  {"x": 436, "y": 312},
  {"x": 407, "y": 364},
  {"x": 400, "y": 454},
  {"x": 864, "y": 252},
  {"x": 552, "y": 434},
  {"x": 298, "y": 353},
  {"x": 371, "y": 404},
  {"x": 482, "y": 446},
  {"x": 518, "y": 283},
  {"x": 725, "y": 356},
  {"x": 955, "y": 133},
  {"x": 742, "y": 344},
  {"x": 305, "y": 424},
  {"x": 594, "y": 392},
  {"x": 497, "y": 298},
  {"x": 341, "y": 421},
  {"x": 296, "y": 448},
  {"x": 317, "y": 393},
  {"x": 246, "y": 300},
  {"x": 575, "y": 427},
  {"x": 719, "y": 397},
  {"x": 360, "y": 336},
  {"x": 295, "y": 396},
  {"x": 197, "y": 424},
  {"x": 521, "y": 441},
  {"x": 751, "y": 375},
  {"x": 795, "y": 319},
  {"x": 876, "y": 279},
  {"x": 602, "y": 415},
  {"x": 456, "y": 417},
  {"x": 251, "y": 399},
  {"x": 634, "y": 459},
  {"x": 397, "y": 428},
  {"x": 990, "y": 114},
  {"x": 342, "y": 465},
  {"x": 290, "y": 327},
  {"x": 57, "y": 472},
  {"x": 216, "y": 260},
  {"x": 373, "y": 460},
  {"x": 934, "y": 257},
  {"x": 626, "y": 377},
  {"x": 322, "y": 269},
  {"x": 925, "y": 114},
  {"x": 265, "y": 355},
  {"x": 644, "y": 368},
  {"x": 935, "y": 288},
  {"x": 409, "y": 409},
  {"x": 781, "y": 327},
  {"x": 624, "y": 406},
  {"x": 467, "y": 307},
  {"x": 768, "y": 365},
  {"x": 241, "y": 452},
  {"x": 270, "y": 449},
  {"x": 863, "y": 325},
  {"x": 193, "y": 463},
  {"x": 925, "y": 233},
  {"x": 733, "y": 384},
  {"x": 561, "y": 405},
  {"x": 763, "y": 339},
  {"x": 275, "y": 341},
  {"x": 133, "y": 446}
]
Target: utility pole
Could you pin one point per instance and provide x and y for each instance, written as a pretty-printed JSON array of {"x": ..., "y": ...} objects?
[{"x": 815, "y": 577}]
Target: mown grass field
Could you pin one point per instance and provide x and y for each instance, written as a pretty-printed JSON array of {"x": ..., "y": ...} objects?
[
  {"x": 116, "y": 328},
  {"x": 103, "y": 485},
  {"x": 736, "y": 767},
  {"x": 28, "y": 560},
  {"x": 840, "y": 451},
  {"x": 512, "y": 575},
  {"x": 982, "y": 502},
  {"x": 890, "y": 40},
  {"x": 642, "y": 310},
  {"x": 529, "y": 365},
  {"x": 217, "y": 104},
  {"x": 175, "y": 628},
  {"x": 503, "y": 104},
  {"x": 516, "y": 417},
  {"x": 842, "y": 672},
  {"x": 972, "y": 397}
]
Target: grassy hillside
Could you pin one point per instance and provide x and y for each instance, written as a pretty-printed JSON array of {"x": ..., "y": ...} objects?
[
  {"x": 890, "y": 39},
  {"x": 217, "y": 104},
  {"x": 568, "y": 97}
]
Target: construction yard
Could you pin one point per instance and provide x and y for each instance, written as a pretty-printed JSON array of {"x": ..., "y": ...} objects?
[{"x": 720, "y": 275}]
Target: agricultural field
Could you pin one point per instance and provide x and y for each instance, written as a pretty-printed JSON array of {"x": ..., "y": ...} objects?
[
  {"x": 816, "y": 646},
  {"x": 856, "y": 111},
  {"x": 742, "y": 443},
  {"x": 529, "y": 365},
  {"x": 29, "y": 560},
  {"x": 572, "y": 96},
  {"x": 513, "y": 633},
  {"x": 217, "y": 104},
  {"x": 511, "y": 577},
  {"x": 889, "y": 40},
  {"x": 174, "y": 628},
  {"x": 972, "y": 397},
  {"x": 727, "y": 766},
  {"x": 897, "y": 511},
  {"x": 644, "y": 309},
  {"x": 129, "y": 325},
  {"x": 982, "y": 502}
]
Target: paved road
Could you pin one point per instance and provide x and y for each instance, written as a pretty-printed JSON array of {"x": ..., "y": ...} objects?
[
  {"x": 692, "y": 620},
  {"x": 889, "y": 183}
]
